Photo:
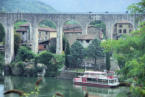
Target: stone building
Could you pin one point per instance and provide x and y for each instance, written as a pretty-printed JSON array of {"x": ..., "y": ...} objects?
[
  {"x": 85, "y": 40},
  {"x": 73, "y": 33},
  {"x": 121, "y": 28},
  {"x": 24, "y": 31},
  {"x": 46, "y": 33},
  {"x": 44, "y": 36}
]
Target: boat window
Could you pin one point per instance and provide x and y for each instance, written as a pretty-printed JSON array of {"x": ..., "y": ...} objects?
[
  {"x": 105, "y": 81},
  {"x": 91, "y": 79},
  {"x": 111, "y": 81}
]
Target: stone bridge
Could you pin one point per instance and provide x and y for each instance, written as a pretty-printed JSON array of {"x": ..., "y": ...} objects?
[{"x": 9, "y": 19}]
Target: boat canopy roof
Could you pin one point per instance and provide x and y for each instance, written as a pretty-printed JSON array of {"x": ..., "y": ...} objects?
[{"x": 94, "y": 72}]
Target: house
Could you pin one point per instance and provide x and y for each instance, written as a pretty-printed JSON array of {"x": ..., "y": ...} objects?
[
  {"x": 121, "y": 28},
  {"x": 46, "y": 33},
  {"x": 85, "y": 40},
  {"x": 24, "y": 31},
  {"x": 44, "y": 36}
]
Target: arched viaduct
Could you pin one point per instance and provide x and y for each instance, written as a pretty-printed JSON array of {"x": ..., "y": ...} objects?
[{"x": 9, "y": 19}]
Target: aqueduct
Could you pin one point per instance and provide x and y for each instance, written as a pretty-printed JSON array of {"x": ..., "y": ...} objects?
[{"x": 8, "y": 20}]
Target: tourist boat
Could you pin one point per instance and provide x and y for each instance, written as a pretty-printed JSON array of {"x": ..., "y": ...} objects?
[{"x": 97, "y": 78}]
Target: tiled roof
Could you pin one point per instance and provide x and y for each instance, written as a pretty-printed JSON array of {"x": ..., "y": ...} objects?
[
  {"x": 48, "y": 29},
  {"x": 21, "y": 30},
  {"x": 72, "y": 31},
  {"x": 123, "y": 21},
  {"x": 86, "y": 37}
]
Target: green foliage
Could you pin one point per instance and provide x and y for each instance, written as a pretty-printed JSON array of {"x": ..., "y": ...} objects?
[
  {"x": 95, "y": 50},
  {"x": 24, "y": 54},
  {"x": 58, "y": 60},
  {"x": 47, "y": 23},
  {"x": 76, "y": 54},
  {"x": 45, "y": 57},
  {"x": 26, "y": 6},
  {"x": 137, "y": 7},
  {"x": 1, "y": 62},
  {"x": 2, "y": 33},
  {"x": 108, "y": 60},
  {"x": 53, "y": 62},
  {"x": 17, "y": 41},
  {"x": 66, "y": 49},
  {"x": 99, "y": 24},
  {"x": 130, "y": 53},
  {"x": 17, "y": 24},
  {"x": 71, "y": 22}
]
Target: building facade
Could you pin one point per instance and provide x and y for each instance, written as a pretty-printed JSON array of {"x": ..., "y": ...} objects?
[{"x": 121, "y": 28}]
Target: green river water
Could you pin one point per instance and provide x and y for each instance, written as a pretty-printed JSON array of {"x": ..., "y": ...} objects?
[{"x": 49, "y": 86}]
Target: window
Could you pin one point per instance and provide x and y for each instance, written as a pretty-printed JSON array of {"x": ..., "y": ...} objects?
[
  {"x": 130, "y": 30},
  {"x": 87, "y": 41},
  {"x": 124, "y": 31},
  {"x": 120, "y": 31},
  {"x": 120, "y": 25},
  {"x": 44, "y": 46},
  {"x": 130, "y": 26}
]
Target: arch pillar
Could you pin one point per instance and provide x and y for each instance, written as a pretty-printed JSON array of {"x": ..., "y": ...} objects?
[
  {"x": 85, "y": 29},
  {"x": 9, "y": 44},
  {"x": 109, "y": 30},
  {"x": 34, "y": 37},
  {"x": 59, "y": 40}
]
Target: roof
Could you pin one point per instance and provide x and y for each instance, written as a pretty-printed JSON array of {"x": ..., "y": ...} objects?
[
  {"x": 95, "y": 72},
  {"x": 48, "y": 29},
  {"x": 21, "y": 30},
  {"x": 86, "y": 37},
  {"x": 123, "y": 21},
  {"x": 69, "y": 26},
  {"x": 73, "y": 31}
]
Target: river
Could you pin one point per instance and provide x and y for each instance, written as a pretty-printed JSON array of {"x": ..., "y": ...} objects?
[{"x": 49, "y": 86}]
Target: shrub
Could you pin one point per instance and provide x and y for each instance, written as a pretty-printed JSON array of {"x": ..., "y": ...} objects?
[
  {"x": 24, "y": 54},
  {"x": 44, "y": 57},
  {"x": 53, "y": 62}
]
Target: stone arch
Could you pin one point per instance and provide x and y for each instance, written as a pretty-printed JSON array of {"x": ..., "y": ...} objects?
[
  {"x": 121, "y": 27},
  {"x": 47, "y": 35},
  {"x": 2, "y": 43},
  {"x": 71, "y": 30},
  {"x": 22, "y": 32},
  {"x": 97, "y": 28},
  {"x": 39, "y": 20}
]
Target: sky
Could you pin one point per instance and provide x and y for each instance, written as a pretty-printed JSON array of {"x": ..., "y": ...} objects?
[{"x": 90, "y": 5}]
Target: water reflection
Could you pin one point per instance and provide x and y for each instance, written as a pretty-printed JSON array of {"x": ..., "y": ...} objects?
[{"x": 50, "y": 86}]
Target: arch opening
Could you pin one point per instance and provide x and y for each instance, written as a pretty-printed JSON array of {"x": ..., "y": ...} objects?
[
  {"x": 98, "y": 29},
  {"x": 47, "y": 36},
  {"x": 21, "y": 35},
  {"x": 2, "y": 48},
  {"x": 71, "y": 31},
  {"x": 121, "y": 28}
]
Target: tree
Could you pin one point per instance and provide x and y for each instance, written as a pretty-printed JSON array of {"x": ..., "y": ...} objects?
[
  {"x": 53, "y": 62},
  {"x": 17, "y": 42},
  {"x": 108, "y": 60},
  {"x": 99, "y": 24},
  {"x": 95, "y": 50},
  {"x": 66, "y": 49},
  {"x": 2, "y": 33},
  {"x": 130, "y": 53},
  {"x": 76, "y": 53},
  {"x": 24, "y": 54},
  {"x": 137, "y": 7},
  {"x": 52, "y": 46}
]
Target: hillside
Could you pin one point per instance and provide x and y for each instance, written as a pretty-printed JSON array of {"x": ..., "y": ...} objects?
[{"x": 29, "y": 6}]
